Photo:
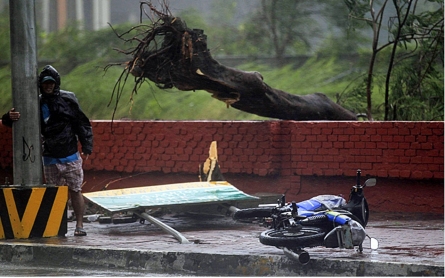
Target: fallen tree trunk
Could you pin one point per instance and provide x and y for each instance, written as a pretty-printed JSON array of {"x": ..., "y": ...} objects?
[{"x": 172, "y": 55}]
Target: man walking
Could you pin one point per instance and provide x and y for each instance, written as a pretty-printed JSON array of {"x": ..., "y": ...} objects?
[{"x": 63, "y": 124}]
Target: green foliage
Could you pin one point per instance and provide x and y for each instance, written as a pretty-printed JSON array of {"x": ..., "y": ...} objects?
[
  {"x": 277, "y": 27},
  {"x": 354, "y": 95},
  {"x": 81, "y": 56},
  {"x": 5, "y": 89},
  {"x": 193, "y": 18},
  {"x": 71, "y": 46},
  {"x": 417, "y": 87},
  {"x": 412, "y": 56},
  {"x": 4, "y": 36}
]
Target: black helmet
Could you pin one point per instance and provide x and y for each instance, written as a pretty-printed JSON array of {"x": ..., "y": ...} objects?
[{"x": 50, "y": 73}]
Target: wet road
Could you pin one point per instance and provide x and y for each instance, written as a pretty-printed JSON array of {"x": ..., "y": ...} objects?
[
  {"x": 408, "y": 238},
  {"x": 8, "y": 269},
  {"x": 404, "y": 238}
]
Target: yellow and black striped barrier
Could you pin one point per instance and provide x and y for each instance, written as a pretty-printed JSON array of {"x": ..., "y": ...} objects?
[{"x": 27, "y": 212}]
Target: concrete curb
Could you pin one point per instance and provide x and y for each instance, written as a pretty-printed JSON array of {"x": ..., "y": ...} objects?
[{"x": 193, "y": 263}]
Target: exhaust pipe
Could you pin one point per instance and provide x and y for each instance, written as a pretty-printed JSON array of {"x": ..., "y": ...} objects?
[{"x": 300, "y": 255}]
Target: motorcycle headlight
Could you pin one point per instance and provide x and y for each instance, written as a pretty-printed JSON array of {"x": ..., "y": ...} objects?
[{"x": 358, "y": 232}]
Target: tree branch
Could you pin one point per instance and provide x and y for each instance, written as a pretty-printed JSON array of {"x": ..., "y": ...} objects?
[{"x": 172, "y": 55}]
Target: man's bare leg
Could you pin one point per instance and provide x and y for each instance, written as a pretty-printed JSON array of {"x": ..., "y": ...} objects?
[{"x": 78, "y": 206}]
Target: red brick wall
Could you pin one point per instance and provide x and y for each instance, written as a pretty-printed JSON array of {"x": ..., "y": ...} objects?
[
  {"x": 411, "y": 150},
  {"x": 300, "y": 159}
]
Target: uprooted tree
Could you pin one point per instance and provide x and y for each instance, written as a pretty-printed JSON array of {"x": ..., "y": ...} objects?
[{"x": 172, "y": 55}]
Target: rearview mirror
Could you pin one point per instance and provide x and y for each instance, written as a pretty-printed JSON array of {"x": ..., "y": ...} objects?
[
  {"x": 374, "y": 244},
  {"x": 370, "y": 182}
]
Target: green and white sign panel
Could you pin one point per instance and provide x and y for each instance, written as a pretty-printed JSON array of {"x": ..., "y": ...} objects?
[{"x": 167, "y": 195}]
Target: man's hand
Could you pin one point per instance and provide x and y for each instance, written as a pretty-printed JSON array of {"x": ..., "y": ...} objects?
[
  {"x": 85, "y": 156},
  {"x": 13, "y": 115}
]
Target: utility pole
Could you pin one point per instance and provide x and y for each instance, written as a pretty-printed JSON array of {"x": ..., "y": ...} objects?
[
  {"x": 28, "y": 209},
  {"x": 26, "y": 131}
]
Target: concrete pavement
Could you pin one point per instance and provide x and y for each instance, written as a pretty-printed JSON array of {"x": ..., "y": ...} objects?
[{"x": 410, "y": 245}]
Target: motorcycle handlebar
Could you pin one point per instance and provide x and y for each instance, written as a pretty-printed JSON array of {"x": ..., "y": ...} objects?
[{"x": 358, "y": 177}]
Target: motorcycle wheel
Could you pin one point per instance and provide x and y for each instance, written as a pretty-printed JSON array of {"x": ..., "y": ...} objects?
[
  {"x": 304, "y": 237},
  {"x": 252, "y": 213}
]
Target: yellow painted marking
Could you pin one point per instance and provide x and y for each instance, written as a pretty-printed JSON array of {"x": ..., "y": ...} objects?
[
  {"x": 57, "y": 211},
  {"x": 13, "y": 213},
  {"x": 32, "y": 208},
  {"x": 155, "y": 188},
  {"x": 2, "y": 232}
]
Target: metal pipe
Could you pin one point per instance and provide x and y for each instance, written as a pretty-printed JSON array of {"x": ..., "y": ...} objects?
[
  {"x": 163, "y": 226},
  {"x": 300, "y": 256}
]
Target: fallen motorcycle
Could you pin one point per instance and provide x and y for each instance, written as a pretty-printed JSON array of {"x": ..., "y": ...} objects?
[{"x": 324, "y": 220}]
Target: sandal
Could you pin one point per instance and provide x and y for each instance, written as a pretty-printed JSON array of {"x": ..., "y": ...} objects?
[{"x": 80, "y": 232}]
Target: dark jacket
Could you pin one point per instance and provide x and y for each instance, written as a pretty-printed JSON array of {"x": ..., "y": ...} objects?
[
  {"x": 6, "y": 120},
  {"x": 66, "y": 125}
]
